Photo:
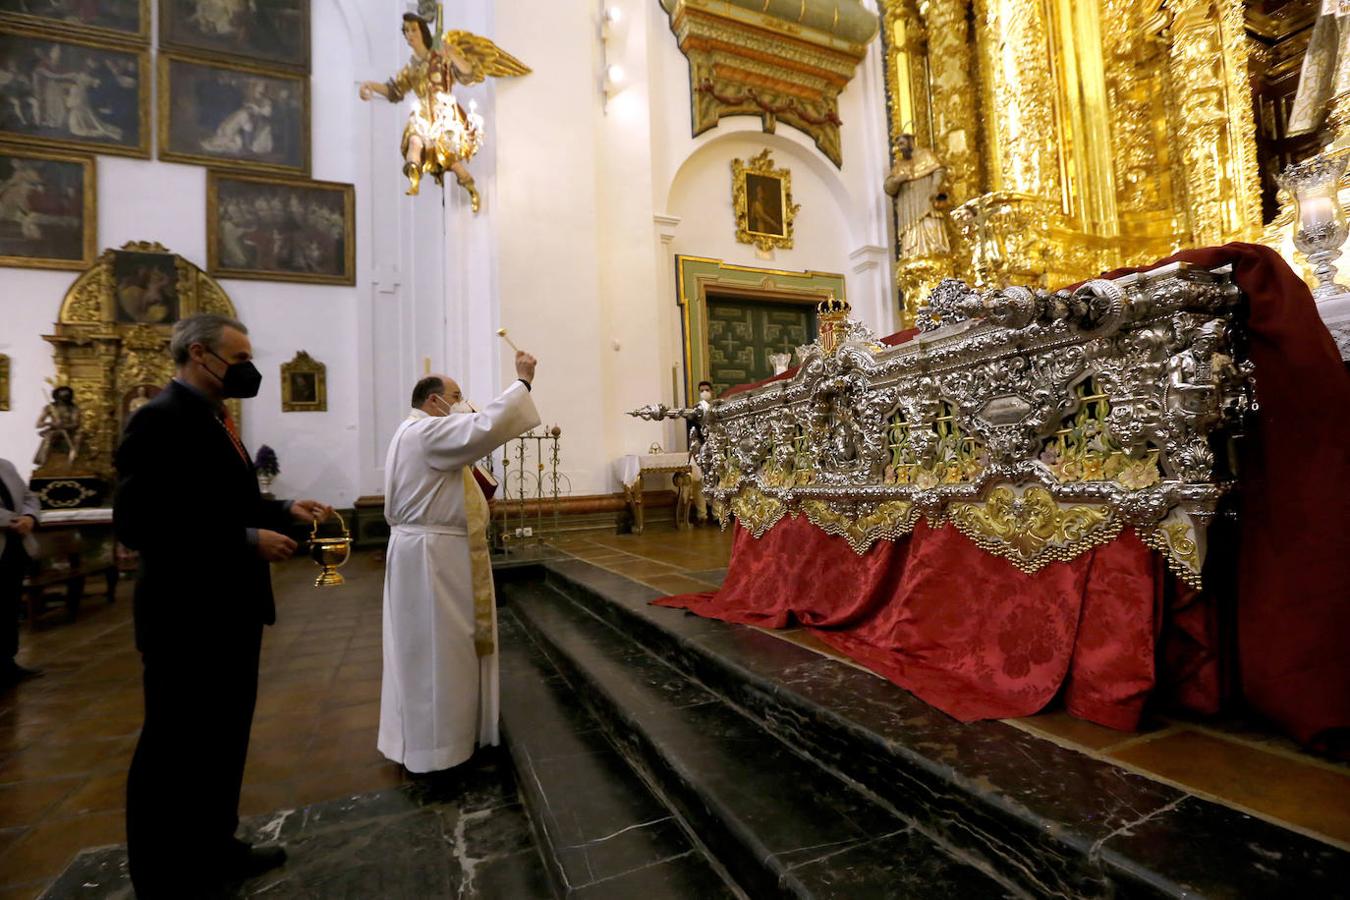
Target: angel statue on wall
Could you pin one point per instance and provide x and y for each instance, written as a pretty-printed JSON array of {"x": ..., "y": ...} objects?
[
  {"x": 441, "y": 135},
  {"x": 916, "y": 182}
]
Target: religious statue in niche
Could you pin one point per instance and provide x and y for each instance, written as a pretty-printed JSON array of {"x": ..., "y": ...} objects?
[
  {"x": 916, "y": 183},
  {"x": 58, "y": 428},
  {"x": 1325, "y": 77},
  {"x": 441, "y": 136}
]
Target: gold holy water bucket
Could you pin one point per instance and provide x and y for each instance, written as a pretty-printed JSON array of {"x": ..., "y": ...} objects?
[{"x": 330, "y": 553}]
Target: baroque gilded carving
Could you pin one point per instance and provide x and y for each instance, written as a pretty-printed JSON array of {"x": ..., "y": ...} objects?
[
  {"x": 111, "y": 360},
  {"x": 776, "y": 60},
  {"x": 1038, "y": 424}
]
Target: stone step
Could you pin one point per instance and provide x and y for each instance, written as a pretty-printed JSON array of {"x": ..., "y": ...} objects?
[
  {"x": 775, "y": 821},
  {"x": 601, "y": 831},
  {"x": 1049, "y": 820}
]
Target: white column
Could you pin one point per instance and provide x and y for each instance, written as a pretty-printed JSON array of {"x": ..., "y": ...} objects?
[{"x": 870, "y": 289}]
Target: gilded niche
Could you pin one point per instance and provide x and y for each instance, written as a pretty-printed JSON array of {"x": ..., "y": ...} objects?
[{"x": 110, "y": 343}]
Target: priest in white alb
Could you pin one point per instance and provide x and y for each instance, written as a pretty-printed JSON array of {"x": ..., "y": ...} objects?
[{"x": 439, "y": 699}]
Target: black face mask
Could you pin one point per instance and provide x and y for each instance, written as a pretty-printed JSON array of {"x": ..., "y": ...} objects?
[{"x": 241, "y": 381}]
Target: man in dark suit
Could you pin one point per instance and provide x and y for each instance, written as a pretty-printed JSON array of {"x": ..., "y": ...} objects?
[
  {"x": 188, "y": 502},
  {"x": 18, "y": 518}
]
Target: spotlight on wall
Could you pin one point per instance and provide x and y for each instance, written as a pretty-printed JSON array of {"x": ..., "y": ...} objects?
[
  {"x": 613, "y": 17},
  {"x": 614, "y": 78}
]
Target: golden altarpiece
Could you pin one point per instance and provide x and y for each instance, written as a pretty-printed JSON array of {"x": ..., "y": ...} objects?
[
  {"x": 111, "y": 347},
  {"x": 1063, "y": 160}
]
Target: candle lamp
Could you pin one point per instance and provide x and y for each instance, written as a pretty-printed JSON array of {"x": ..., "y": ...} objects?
[{"x": 1321, "y": 222}]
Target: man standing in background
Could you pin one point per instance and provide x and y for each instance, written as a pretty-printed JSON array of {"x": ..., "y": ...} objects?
[
  {"x": 439, "y": 699},
  {"x": 18, "y": 518},
  {"x": 188, "y": 502}
]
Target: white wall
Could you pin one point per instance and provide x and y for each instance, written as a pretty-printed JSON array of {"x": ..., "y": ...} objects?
[
  {"x": 585, "y": 205},
  {"x": 148, "y": 200}
]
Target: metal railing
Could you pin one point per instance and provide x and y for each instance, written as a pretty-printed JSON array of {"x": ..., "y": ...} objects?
[{"x": 531, "y": 488}]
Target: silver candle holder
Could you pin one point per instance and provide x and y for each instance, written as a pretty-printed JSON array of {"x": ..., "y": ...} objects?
[{"x": 1322, "y": 227}]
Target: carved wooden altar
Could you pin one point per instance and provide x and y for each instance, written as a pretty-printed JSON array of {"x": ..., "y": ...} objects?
[{"x": 111, "y": 346}]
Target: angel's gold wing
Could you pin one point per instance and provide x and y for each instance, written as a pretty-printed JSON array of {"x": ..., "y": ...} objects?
[{"x": 489, "y": 60}]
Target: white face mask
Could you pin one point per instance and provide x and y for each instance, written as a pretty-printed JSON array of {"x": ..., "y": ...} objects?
[
  {"x": 461, "y": 407},
  {"x": 705, "y": 395}
]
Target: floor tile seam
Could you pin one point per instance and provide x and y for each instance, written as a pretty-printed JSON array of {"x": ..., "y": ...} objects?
[
  {"x": 1201, "y": 794},
  {"x": 1307, "y": 759},
  {"x": 1138, "y": 740}
]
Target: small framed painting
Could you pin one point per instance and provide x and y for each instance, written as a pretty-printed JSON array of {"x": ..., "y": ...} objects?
[
  {"x": 127, "y": 21},
  {"x": 235, "y": 116},
  {"x": 304, "y": 385},
  {"x": 48, "y": 209},
  {"x": 762, "y": 198},
  {"x": 73, "y": 93},
  {"x": 4, "y": 383},
  {"x": 145, "y": 287},
  {"x": 268, "y": 32},
  {"x": 277, "y": 229}
]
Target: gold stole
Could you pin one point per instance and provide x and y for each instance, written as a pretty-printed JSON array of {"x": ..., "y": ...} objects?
[{"x": 480, "y": 563}]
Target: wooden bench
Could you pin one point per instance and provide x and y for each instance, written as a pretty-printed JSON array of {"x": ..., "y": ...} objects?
[{"x": 60, "y": 571}]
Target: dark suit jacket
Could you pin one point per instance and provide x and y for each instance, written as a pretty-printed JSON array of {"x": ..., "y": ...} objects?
[{"x": 185, "y": 501}]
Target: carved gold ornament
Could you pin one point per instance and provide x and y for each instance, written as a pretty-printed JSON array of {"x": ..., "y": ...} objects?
[
  {"x": 113, "y": 348},
  {"x": 1063, "y": 163},
  {"x": 1031, "y": 529},
  {"x": 863, "y": 528},
  {"x": 779, "y": 60},
  {"x": 762, "y": 198}
]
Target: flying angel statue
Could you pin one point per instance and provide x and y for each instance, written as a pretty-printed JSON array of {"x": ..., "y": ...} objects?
[{"x": 441, "y": 136}]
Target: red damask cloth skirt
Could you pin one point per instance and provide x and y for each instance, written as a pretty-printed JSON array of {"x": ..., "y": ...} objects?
[{"x": 1113, "y": 630}]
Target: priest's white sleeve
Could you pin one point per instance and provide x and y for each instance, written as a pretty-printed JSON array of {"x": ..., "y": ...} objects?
[{"x": 460, "y": 439}]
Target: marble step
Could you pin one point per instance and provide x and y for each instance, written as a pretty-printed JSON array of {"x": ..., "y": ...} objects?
[
  {"x": 779, "y": 824},
  {"x": 602, "y": 833},
  {"x": 1050, "y": 820}
]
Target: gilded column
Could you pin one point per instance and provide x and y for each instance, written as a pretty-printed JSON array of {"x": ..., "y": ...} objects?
[
  {"x": 955, "y": 93},
  {"x": 1213, "y": 122},
  {"x": 1018, "y": 81}
]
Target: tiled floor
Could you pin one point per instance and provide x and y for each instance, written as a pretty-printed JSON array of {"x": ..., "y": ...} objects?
[
  {"x": 66, "y": 739},
  {"x": 1230, "y": 762}
]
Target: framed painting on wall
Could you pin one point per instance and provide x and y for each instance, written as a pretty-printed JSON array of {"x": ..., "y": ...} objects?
[
  {"x": 304, "y": 385},
  {"x": 117, "y": 20},
  {"x": 74, "y": 93},
  {"x": 234, "y": 116},
  {"x": 277, "y": 229},
  {"x": 270, "y": 32},
  {"x": 145, "y": 287},
  {"x": 762, "y": 198},
  {"x": 48, "y": 209},
  {"x": 4, "y": 383}
]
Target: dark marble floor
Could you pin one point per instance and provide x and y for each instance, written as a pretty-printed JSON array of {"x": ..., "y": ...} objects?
[{"x": 463, "y": 834}]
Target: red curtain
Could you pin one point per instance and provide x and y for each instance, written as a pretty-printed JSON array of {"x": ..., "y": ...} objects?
[{"x": 968, "y": 633}]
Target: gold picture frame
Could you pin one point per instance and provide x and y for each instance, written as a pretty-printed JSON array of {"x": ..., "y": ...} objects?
[
  {"x": 49, "y": 177},
  {"x": 185, "y": 142},
  {"x": 304, "y": 384},
  {"x": 51, "y": 25},
  {"x": 313, "y": 251},
  {"x": 4, "y": 383},
  {"x": 267, "y": 19},
  {"x": 762, "y": 198},
  {"x": 49, "y": 133}
]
